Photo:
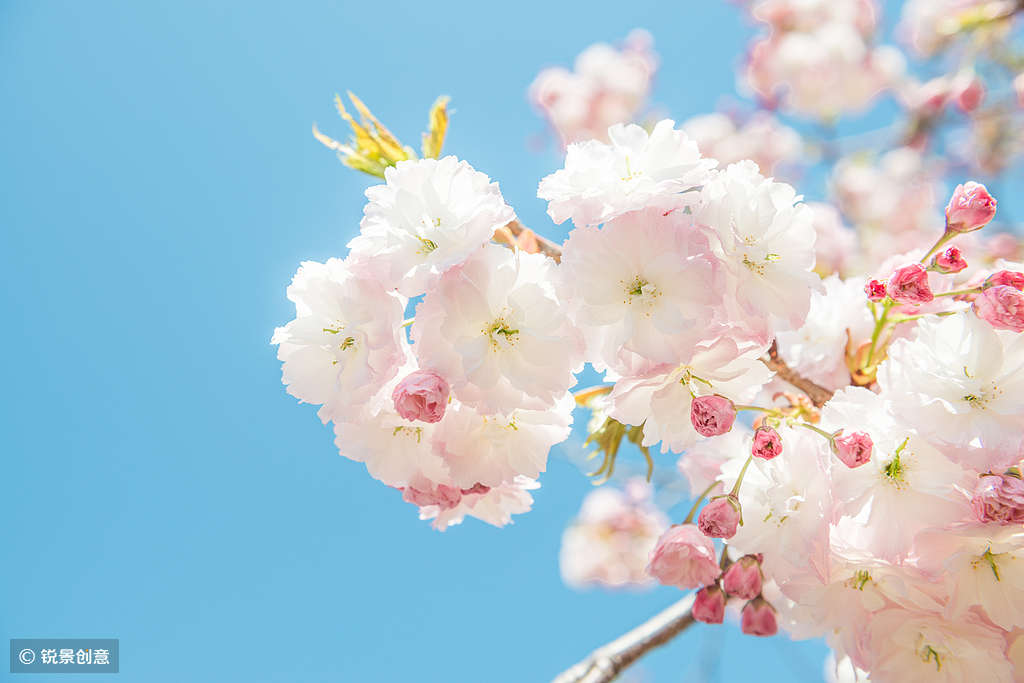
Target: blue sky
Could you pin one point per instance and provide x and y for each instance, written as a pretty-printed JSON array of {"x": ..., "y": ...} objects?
[{"x": 161, "y": 186}]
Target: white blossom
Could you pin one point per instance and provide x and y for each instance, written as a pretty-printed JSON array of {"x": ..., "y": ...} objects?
[
  {"x": 345, "y": 342},
  {"x": 430, "y": 215},
  {"x": 636, "y": 170}
]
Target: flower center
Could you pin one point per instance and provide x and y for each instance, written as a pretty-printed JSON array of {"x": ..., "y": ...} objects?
[
  {"x": 896, "y": 469},
  {"x": 640, "y": 290},
  {"x": 980, "y": 399},
  {"x": 501, "y": 334},
  {"x": 989, "y": 561},
  {"x": 409, "y": 433},
  {"x": 347, "y": 343},
  {"x": 859, "y": 579},
  {"x": 927, "y": 653},
  {"x": 759, "y": 265}
]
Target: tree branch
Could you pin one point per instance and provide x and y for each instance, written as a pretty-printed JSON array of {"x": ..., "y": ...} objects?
[
  {"x": 532, "y": 242},
  {"x": 608, "y": 661},
  {"x": 819, "y": 395}
]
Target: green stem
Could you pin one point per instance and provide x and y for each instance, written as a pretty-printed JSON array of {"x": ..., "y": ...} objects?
[
  {"x": 739, "y": 480},
  {"x": 946, "y": 236},
  {"x": 738, "y": 407},
  {"x": 408, "y": 322},
  {"x": 958, "y": 292},
  {"x": 825, "y": 434},
  {"x": 700, "y": 499},
  {"x": 907, "y": 318},
  {"x": 879, "y": 324}
]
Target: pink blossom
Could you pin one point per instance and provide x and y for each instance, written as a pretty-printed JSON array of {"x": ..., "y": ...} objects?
[
  {"x": 1002, "y": 307},
  {"x": 970, "y": 208},
  {"x": 767, "y": 443},
  {"x": 853, "y": 449},
  {"x": 950, "y": 261},
  {"x": 720, "y": 517},
  {"x": 712, "y": 415},
  {"x": 999, "y": 498},
  {"x": 968, "y": 92},
  {"x": 758, "y": 618},
  {"x": 1005, "y": 277},
  {"x": 743, "y": 578},
  {"x": 684, "y": 557},
  {"x": 444, "y": 496},
  {"x": 422, "y": 396},
  {"x": 909, "y": 285},
  {"x": 709, "y": 605},
  {"x": 875, "y": 289}
]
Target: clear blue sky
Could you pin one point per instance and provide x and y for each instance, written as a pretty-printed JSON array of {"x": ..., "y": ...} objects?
[{"x": 159, "y": 486}]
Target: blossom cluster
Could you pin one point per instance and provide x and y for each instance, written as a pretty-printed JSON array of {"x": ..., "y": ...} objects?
[
  {"x": 459, "y": 415},
  {"x": 677, "y": 274},
  {"x": 889, "y": 520},
  {"x": 841, "y": 382},
  {"x": 817, "y": 57},
  {"x": 607, "y": 85}
]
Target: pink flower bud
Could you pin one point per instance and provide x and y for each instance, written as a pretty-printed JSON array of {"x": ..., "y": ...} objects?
[
  {"x": 875, "y": 289},
  {"x": 930, "y": 98},
  {"x": 999, "y": 498},
  {"x": 970, "y": 208},
  {"x": 758, "y": 618},
  {"x": 743, "y": 578},
  {"x": 853, "y": 449},
  {"x": 445, "y": 497},
  {"x": 909, "y": 285},
  {"x": 1001, "y": 307},
  {"x": 1018, "y": 86},
  {"x": 949, "y": 261},
  {"x": 712, "y": 415},
  {"x": 969, "y": 92},
  {"x": 422, "y": 396},
  {"x": 684, "y": 558},
  {"x": 709, "y": 605},
  {"x": 767, "y": 443},
  {"x": 1005, "y": 277},
  {"x": 720, "y": 517}
]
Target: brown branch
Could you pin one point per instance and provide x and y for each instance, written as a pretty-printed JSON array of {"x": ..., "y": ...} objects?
[
  {"x": 819, "y": 395},
  {"x": 608, "y": 661},
  {"x": 530, "y": 241}
]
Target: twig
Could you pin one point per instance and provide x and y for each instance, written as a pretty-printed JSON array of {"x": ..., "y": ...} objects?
[
  {"x": 608, "y": 661},
  {"x": 819, "y": 395},
  {"x": 543, "y": 246}
]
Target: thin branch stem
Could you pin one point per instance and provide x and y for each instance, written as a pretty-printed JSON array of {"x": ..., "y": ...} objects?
[
  {"x": 608, "y": 661},
  {"x": 819, "y": 395},
  {"x": 700, "y": 499},
  {"x": 545, "y": 246}
]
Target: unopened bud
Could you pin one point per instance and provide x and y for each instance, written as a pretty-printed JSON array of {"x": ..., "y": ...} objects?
[
  {"x": 743, "y": 578},
  {"x": 720, "y": 517},
  {"x": 970, "y": 208}
]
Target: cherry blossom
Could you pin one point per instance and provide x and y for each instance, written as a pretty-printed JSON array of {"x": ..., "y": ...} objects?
[
  {"x": 344, "y": 343},
  {"x": 496, "y": 330},
  {"x": 428, "y": 216},
  {"x": 636, "y": 170},
  {"x": 765, "y": 240},
  {"x": 609, "y": 542},
  {"x": 643, "y": 283},
  {"x": 607, "y": 85},
  {"x": 960, "y": 381}
]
